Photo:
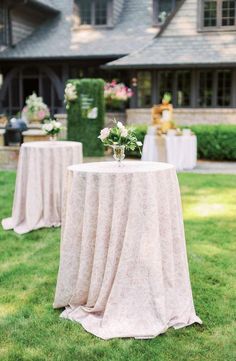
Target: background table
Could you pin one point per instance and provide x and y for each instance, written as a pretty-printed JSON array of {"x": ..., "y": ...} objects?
[
  {"x": 181, "y": 151},
  {"x": 41, "y": 175},
  {"x": 123, "y": 265}
]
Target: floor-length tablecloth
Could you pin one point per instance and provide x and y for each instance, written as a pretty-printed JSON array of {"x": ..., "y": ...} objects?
[
  {"x": 41, "y": 176},
  {"x": 180, "y": 151},
  {"x": 123, "y": 265}
]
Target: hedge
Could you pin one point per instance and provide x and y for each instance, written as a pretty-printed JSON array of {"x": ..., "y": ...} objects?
[
  {"x": 215, "y": 142},
  {"x": 80, "y": 127}
]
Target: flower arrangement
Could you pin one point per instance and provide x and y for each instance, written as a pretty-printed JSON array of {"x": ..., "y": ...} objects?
[
  {"x": 70, "y": 94},
  {"x": 116, "y": 94},
  {"x": 120, "y": 138},
  {"x": 35, "y": 109},
  {"x": 52, "y": 128}
]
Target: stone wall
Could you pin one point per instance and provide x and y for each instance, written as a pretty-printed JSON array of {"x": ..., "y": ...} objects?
[
  {"x": 9, "y": 157},
  {"x": 186, "y": 116}
]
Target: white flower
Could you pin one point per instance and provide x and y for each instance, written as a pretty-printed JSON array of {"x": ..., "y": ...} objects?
[
  {"x": 70, "y": 92},
  {"x": 124, "y": 132},
  {"x": 104, "y": 134},
  {"x": 120, "y": 125},
  {"x": 139, "y": 144},
  {"x": 57, "y": 125},
  {"x": 48, "y": 127}
]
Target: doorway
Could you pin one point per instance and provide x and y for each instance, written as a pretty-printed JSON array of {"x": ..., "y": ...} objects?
[{"x": 29, "y": 86}]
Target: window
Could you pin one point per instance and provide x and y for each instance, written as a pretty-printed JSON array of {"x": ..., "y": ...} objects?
[
  {"x": 85, "y": 12},
  {"x": 100, "y": 12},
  {"x": 144, "y": 89},
  {"x": 162, "y": 9},
  {"x": 228, "y": 13},
  {"x": 165, "y": 7},
  {"x": 178, "y": 84},
  {"x": 224, "y": 85},
  {"x": 93, "y": 12},
  {"x": 165, "y": 82},
  {"x": 219, "y": 14},
  {"x": 3, "y": 25},
  {"x": 210, "y": 13},
  {"x": 205, "y": 89},
  {"x": 183, "y": 88}
]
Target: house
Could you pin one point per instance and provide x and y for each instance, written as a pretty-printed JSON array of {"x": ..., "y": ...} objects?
[{"x": 186, "y": 47}]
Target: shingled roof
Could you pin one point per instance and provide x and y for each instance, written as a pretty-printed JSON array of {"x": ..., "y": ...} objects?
[
  {"x": 60, "y": 38},
  {"x": 181, "y": 51},
  {"x": 181, "y": 44},
  {"x": 46, "y": 4}
]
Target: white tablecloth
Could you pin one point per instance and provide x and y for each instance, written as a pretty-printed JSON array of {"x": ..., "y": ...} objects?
[
  {"x": 123, "y": 264},
  {"x": 180, "y": 151},
  {"x": 41, "y": 176}
]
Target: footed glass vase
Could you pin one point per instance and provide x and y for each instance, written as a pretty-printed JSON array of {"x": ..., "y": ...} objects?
[
  {"x": 118, "y": 153},
  {"x": 53, "y": 137}
]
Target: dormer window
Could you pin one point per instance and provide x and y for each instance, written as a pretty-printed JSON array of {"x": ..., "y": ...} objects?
[
  {"x": 3, "y": 25},
  {"x": 93, "y": 12},
  {"x": 218, "y": 14},
  {"x": 162, "y": 9}
]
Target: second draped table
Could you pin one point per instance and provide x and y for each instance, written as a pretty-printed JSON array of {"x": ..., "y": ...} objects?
[
  {"x": 180, "y": 151},
  {"x": 123, "y": 264},
  {"x": 41, "y": 175}
]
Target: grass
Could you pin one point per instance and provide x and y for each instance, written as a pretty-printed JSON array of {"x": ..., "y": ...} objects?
[{"x": 31, "y": 330}]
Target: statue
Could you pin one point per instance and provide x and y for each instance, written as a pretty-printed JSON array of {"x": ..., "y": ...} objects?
[{"x": 162, "y": 114}]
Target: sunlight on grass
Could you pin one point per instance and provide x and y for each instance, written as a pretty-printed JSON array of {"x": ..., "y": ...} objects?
[
  {"x": 7, "y": 309},
  {"x": 204, "y": 209},
  {"x": 207, "y": 249}
]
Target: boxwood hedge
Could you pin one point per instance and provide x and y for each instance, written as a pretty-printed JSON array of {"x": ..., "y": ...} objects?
[{"x": 80, "y": 127}]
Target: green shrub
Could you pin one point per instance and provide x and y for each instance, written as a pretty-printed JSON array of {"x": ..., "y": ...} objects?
[
  {"x": 215, "y": 142},
  {"x": 80, "y": 127},
  {"x": 140, "y": 131}
]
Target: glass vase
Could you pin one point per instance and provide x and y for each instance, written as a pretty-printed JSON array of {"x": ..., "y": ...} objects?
[
  {"x": 53, "y": 137},
  {"x": 118, "y": 153}
]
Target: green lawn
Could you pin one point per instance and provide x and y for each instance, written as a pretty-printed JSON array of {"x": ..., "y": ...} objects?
[{"x": 31, "y": 330}]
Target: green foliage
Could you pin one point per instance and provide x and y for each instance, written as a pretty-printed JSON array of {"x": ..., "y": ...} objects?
[
  {"x": 31, "y": 329},
  {"x": 140, "y": 131},
  {"x": 80, "y": 128},
  {"x": 215, "y": 142}
]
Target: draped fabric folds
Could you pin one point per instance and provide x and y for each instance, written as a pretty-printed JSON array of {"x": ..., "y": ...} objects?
[
  {"x": 123, "y": 264},
  {"x": 180, "y": 151},
  {"x": 41, "y": 177}
]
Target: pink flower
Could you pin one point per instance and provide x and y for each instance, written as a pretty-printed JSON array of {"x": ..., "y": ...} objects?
[
  {"x": 104, "y": 134},
  {"x": 41, "y": 114}
]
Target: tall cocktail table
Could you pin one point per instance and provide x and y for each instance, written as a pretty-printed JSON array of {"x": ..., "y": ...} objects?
[
  {"x": 123, "y": 264},
  {"x": 41, "y": 176}
]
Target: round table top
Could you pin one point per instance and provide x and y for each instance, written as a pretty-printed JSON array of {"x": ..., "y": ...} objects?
[
  {"x": 51, "y": 144},
  {"x": 172, "y": 136},
  {"x": 124, "y": 168}
]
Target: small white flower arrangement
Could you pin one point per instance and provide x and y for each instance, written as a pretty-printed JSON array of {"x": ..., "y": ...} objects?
[
  {"x": 119, "y": 135},
  {"x": 52, "y": 127},
  {"x": 70, "y": 94}
]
